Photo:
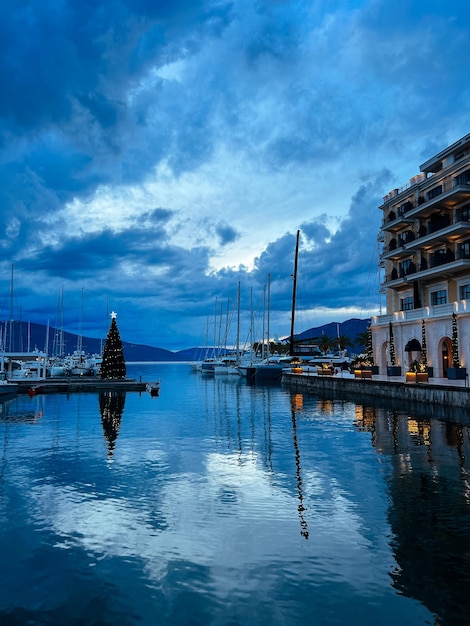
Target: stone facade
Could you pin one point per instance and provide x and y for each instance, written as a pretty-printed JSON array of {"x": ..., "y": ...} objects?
[{"x": 425, "y": 262}]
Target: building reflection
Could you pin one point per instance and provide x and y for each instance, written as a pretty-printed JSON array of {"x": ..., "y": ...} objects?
[
  {"x": 111, "y": 409},
  {"x": 429, "y": 487}
]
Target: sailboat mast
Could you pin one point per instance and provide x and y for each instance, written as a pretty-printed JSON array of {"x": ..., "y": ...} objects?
[
  {"x": 294, "y": 293},
  {"x": 268, "y": 317},
  {"x": 11, "y": 346},
  {"x": 238, "y": 322}
]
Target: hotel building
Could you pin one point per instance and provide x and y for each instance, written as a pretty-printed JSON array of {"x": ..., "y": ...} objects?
[{"x": 425, "y": 262}]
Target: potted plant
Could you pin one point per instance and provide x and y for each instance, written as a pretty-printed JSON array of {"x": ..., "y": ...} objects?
[
  {"x": 393, "y": 369},
  {"x": 456, "y": 372},
  {"x": 362, "y": 367},
  {"x": 417, "y": 373}
]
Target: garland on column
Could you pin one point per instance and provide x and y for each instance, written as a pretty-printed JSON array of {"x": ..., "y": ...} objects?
[
  {"x": 392, "y": 346},
  {"x": 369, "y": 348},
  {"x": 455, "y": 342},
  {"x": 424, "y": 354}
]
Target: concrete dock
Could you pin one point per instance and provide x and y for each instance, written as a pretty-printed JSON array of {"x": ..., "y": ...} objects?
[
  {"x": 77, "y": 385},
  {"x": 439, "y": 396}
]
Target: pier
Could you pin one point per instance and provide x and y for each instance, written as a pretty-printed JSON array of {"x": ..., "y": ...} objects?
[{"x": 77, "y": 385}]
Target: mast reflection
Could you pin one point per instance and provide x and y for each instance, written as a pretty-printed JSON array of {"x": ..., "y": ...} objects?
[
  {"x": 111, "y": 409},
  {"x": 297, "y": 404}
]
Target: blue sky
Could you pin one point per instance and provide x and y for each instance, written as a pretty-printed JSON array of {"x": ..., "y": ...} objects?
[{"x": 156, "y": 154}]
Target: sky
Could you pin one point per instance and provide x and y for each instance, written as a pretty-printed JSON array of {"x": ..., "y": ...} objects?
[{"x": 158, "y": 157}]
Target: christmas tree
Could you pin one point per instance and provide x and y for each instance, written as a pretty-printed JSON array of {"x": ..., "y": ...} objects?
[{"x": 113, "y": 364}]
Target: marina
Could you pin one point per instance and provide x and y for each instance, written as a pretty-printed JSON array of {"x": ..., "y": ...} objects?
[{"x": 222, "y": 502}]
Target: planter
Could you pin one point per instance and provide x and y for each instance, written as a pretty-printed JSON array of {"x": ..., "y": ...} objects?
[
  {"x": 393, "y": 370},
  {"x": 430, "y": 371},
  {"x": 457, "y": 373},
  {"x": 365, "y": 373},
  {"x": 375, "y": 369},
  {"x": 417, "y": 377}
]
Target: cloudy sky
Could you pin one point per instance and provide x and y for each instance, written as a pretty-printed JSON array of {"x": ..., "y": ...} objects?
[{"x": 156, "y": 154}]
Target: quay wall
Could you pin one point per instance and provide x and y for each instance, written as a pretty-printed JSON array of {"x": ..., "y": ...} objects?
[{"x": 358, "y": 390}]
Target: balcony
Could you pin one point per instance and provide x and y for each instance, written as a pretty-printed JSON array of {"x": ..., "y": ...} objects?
[
  {"x": 448, "y": 194},
  {"x": 395, "y": 219},
  {"x": 442, "y": 264},
  {"x": 396, "y": 248},
  {"x": 440, "y": 267}
]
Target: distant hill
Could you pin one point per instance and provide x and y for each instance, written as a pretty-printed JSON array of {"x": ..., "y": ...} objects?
[
  {"x": 33, "y": 336},
  {"x": 351, "y": 328}
]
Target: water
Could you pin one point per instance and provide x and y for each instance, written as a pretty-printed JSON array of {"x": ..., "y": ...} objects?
[{"x": 226, "y": 504}]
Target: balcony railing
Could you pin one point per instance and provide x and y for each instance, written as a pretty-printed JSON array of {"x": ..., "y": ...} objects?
[
  {"x": 441, "y": 258},
  {"x": 436, "y": 311}
]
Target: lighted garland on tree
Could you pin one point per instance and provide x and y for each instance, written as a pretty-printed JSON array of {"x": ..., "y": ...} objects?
[
  {"x": 113, "y": 365},
  {"x": 392, "y": 347},
  {"x": 424, "y": 354},
  {"x": 455, "y": 342}
]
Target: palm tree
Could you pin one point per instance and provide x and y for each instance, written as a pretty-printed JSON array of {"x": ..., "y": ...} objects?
[
  {"x": 325, "y": 343},
  {"x": 344, "y": 342},
  {"x": 362, "y": 338}
]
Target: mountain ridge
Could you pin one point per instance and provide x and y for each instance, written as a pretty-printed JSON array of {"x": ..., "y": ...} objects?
[{"x": 22, "y": 337}]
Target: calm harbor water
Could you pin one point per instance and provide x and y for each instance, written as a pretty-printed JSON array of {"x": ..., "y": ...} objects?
[{"x": 227, "y": 504}]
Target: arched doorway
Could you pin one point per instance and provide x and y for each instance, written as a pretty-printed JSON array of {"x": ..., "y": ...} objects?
[
  {"x": 446, "y": 356},
  {"x": 413, "y": 350}
]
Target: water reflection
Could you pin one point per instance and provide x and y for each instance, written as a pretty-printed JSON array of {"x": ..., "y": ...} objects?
[
  {"x": 429, "y": 514},
  {"x": 111, "y": 408},
  {"x": 297, "y": 404},
  {"x": 197, "y": 518}
]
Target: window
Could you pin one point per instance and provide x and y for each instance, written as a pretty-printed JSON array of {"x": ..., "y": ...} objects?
[
  {"x": 439, "y": 297},
  {"x": 463, "y": 179},
  {"x": 465, "y": 292},
  {"x": 464, "y": 250},
  {"x": 463, "y": 214},
  {"x": 407, "y": 267},
  {"x": 435, "y": 192},
  {"x": 406, "y": 304}
]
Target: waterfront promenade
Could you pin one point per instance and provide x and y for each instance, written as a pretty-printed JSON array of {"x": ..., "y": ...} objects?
[{"x": 445, "y": 396}]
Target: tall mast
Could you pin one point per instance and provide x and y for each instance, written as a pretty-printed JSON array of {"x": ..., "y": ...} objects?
[
  {"x": 294, "y": 292},
  {"x": 238, "y": 322},
  {"x": 268, "y": 316},
  {"x": 10, "y": 345},
  {"x": 80, "y": 338}
]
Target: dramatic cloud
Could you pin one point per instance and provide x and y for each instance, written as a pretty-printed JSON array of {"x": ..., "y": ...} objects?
[{"x": 157, "y": 154}]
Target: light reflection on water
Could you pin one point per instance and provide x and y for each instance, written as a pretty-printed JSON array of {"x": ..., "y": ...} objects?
[{"x": 222, "y": 503}]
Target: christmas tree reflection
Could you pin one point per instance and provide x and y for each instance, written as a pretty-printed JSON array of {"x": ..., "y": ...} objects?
[{"x": 111, "y": 409}]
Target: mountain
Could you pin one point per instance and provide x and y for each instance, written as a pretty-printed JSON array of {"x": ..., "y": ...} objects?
[
  {"x": 23, "y": 337},
  {"x": 351, "y": 328}
]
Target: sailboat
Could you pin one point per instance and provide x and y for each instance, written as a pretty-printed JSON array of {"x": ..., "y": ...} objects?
[
  {"x": 77, "y": 362},
  {"x": 271, "y": 369}
]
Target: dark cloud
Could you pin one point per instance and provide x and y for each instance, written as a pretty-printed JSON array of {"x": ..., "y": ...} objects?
[
  {"x": 227, "y": 234},
  {"x": 98, "y": 96}
]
